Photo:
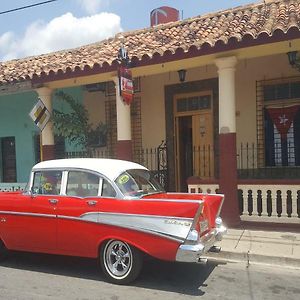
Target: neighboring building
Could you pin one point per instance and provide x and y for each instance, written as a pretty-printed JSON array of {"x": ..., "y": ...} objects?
[{"x": 232, "y": 123}]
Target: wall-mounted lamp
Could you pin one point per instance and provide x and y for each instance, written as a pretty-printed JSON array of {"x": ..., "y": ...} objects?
[
  {"x": 181, "y": 74},
  {"x": 123, "y": 56},
  {"x": 294, "y": 60}
]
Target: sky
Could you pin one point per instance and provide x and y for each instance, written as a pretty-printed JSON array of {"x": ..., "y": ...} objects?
[{"x": 65, "y": 24}]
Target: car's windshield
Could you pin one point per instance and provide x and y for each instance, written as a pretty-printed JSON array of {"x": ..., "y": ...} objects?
[{"x": 136, "y": 183}]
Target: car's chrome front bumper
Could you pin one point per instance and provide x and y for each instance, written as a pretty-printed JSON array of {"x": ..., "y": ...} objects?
[{"x": 191, "y": 252}]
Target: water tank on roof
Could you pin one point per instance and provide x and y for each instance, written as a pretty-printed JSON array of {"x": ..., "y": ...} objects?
[{"x": 163, "y": 14}]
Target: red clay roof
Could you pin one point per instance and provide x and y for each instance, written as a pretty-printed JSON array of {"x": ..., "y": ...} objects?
[{"x": 237, "y": 24}]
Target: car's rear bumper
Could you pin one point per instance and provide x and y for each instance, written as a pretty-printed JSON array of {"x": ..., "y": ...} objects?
[{"x": 191, "y": 252}]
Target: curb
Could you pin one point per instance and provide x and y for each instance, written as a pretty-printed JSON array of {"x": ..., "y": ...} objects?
[{"x": 249, "y": 258}]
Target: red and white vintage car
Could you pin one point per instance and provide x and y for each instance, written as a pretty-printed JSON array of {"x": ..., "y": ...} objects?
[{"x": 108, "y": 209}]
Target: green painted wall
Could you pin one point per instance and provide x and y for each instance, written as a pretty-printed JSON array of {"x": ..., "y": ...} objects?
[{"x": 15, "y": 122}]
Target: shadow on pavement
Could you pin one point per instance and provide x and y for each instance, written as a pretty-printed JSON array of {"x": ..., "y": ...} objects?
[
  {"x": 157, "y": 275},
  {"x": 180, "y": 278}
]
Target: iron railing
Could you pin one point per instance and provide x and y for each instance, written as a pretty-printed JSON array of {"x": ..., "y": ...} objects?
[
  {"x": 155, "y": 159},
  {"x": 203, "y": 162},
  {"x": 93, "y": 153},
  {"x": 252, "y": 165}
]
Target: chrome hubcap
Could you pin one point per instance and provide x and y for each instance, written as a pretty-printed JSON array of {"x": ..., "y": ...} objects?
[{"x": 118, "y": 258}]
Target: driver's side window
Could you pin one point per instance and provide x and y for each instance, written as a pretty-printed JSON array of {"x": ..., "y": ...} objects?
[{"x": 47, "y": 182}]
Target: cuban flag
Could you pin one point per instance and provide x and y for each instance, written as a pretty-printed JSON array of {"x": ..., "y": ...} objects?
[{"x": 282, "y": 135}]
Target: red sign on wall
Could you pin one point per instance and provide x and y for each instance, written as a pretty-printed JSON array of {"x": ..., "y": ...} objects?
[{"x": 126, "y": 84}]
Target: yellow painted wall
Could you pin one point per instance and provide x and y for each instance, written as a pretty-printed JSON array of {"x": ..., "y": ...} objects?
[
  {"x": 248, "y": 71},
  {"x": 153, "y": 105},
  {"x": 95, "y": 104},
  {"x": 152, "y": 110}
]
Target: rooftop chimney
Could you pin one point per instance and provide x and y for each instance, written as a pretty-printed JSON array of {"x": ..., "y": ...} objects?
[{"x": 163, "y": 14}]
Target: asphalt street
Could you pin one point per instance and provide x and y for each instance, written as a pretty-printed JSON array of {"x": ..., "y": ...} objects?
[{"x": 33, "y": 276}]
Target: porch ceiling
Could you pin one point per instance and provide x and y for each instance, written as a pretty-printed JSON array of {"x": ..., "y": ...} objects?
[{"x": 246, "y": 31}]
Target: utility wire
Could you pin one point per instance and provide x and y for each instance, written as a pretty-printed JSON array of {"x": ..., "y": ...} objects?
[{"x": 27, "y": 6}]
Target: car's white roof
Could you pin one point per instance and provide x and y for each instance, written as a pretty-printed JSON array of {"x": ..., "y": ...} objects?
[{"x": 111, "y": 168}]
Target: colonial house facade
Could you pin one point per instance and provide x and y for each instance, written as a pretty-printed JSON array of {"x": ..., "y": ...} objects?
[{"x": 216, "y": 106}]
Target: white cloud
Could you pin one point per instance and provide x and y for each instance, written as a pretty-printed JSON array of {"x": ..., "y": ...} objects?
[
  {"x": 63, "y": 32},
  {"x": 7, "y": 42},
  {"x": 92, "y": 6}
]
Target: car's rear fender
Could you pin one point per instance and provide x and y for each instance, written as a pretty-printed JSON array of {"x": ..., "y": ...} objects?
[
  {"x": 153, "y": 245},
  {"x": 212, "y": 207}
]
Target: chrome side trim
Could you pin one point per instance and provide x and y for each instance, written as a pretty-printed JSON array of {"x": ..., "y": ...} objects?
[
  {"x": 220, "y": 207},
  {"x": 125, "y": 227},
  {"x": 197, "y": 215},
  {"x": 27, "y": 214},
  {"x": 168, "y": 227},
  {"x": 175, "y": 227},
  {"x": 140, "y": 215}
]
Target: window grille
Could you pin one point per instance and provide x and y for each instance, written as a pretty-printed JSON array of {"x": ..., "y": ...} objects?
[{"x": 277, "y": 106}]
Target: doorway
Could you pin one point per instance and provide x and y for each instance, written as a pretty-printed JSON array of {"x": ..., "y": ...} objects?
[
  {"x": 8, "y": 148},
  {"x": 193, "y": 121}
]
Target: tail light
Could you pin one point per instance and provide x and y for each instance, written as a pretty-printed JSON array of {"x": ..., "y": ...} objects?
[{"x": 202, "y": 225}]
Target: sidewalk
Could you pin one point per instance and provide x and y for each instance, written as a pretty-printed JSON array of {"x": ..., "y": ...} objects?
[{"x": 255, "y": 246}]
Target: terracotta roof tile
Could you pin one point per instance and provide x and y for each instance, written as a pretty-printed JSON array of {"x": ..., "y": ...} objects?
[{"x": 250, "y": 20}]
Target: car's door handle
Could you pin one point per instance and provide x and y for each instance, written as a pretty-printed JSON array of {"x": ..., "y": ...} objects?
[
  {"x": 91, "y": 202},
  {"x": 53, "y": 201}
]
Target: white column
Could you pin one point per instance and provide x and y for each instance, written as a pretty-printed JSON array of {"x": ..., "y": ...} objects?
[
  {"x": 226, "y": 70},
  {"x": 45, "y": 94},
  {"x": 123, "y": 115},
  {"x": 227, "y": 139}
]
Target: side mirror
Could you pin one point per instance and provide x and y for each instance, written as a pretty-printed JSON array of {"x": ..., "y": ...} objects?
[{"x": 33, "y": 191}]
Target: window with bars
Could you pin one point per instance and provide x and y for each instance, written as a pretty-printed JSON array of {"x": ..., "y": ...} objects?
[{"x": 278, "y": 122}]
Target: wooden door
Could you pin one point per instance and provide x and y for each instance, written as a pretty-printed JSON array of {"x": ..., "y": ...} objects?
[
  {"x": 193, "y": 121},
  {"x": 203, "y": 154}
]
